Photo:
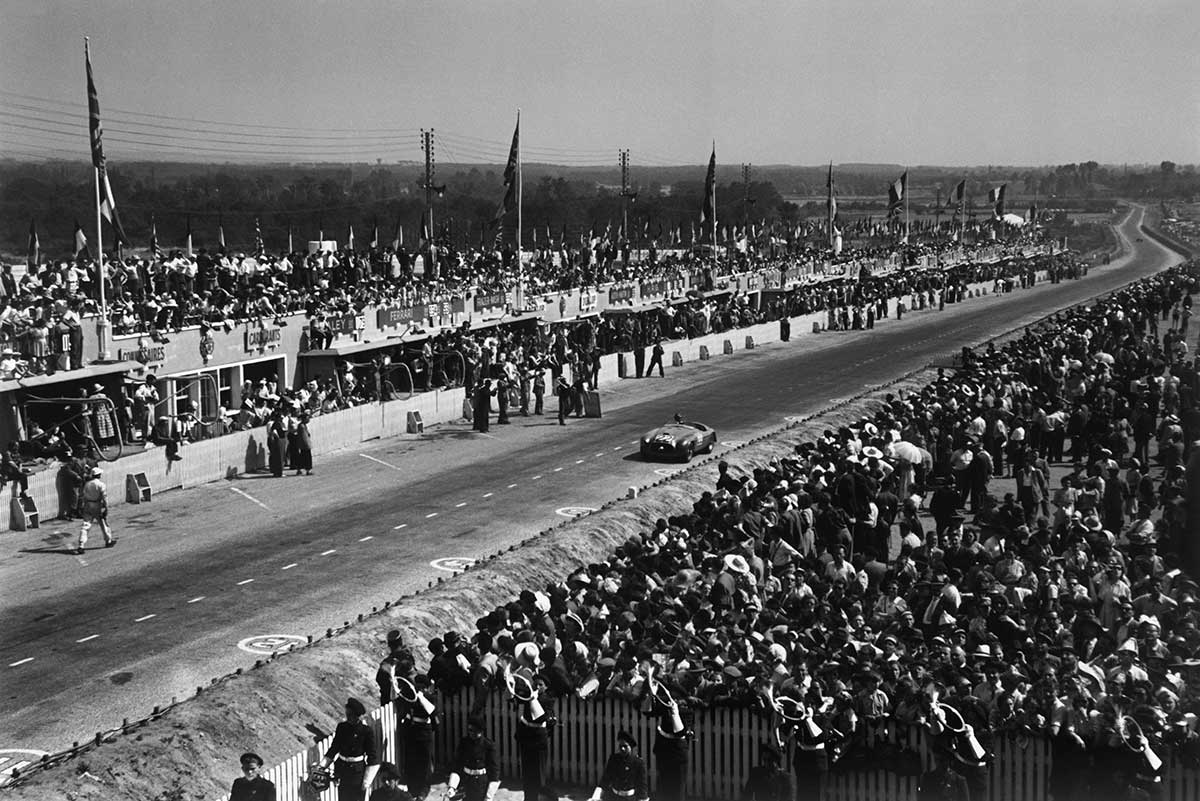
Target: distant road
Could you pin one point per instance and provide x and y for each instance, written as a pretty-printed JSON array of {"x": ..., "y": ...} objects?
[{"x": 90, "y": 640}]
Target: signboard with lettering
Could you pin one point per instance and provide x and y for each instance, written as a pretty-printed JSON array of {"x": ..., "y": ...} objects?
[
  {"x": 490, "y": 300},
  {"x": 391, "y": 316},
  {"x": 588, "y": 301},
  {"x": 620, "y": 294},
  {"x": 653, "y": 289},
  {"x": 260, "y": 338},
  {"x": 751, "y": 281},
  {"x": 347, "y": 324},
  {"x": 143, "y": 354}
]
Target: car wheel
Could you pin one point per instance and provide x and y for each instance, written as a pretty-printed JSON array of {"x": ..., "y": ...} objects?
[
  {"x": 687, "y": 456},
  {"x": 709, "y": 448}
]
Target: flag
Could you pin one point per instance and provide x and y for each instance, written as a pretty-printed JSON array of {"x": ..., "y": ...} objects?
[
  {"x": 398, "y": 236},
  {"x": 260, "y": 247},
  {"x": 221, "y": 232},
  {"x": 35, "y": 246},
  {"x": 996, "y": 197},
  {"x": 155, "y": 250},
  {"x": 896, "y": 192},
  {"x": 95, "y": 130},
  {"x": 375, "y": 235},
  {"x": 1033, "y": 212},
  {"x": 108, "y": 206},
  {"x": 831, "y": 208},
  {"x": 291, "y": 249},
  {"x": 511, "y": 170},
  {"x": 350, "y": 239},
  {"x": 708, "y": 212},
  {"x": 188, "y": 244},
  {"x": 81, "y": 243},
  {"x": 424, "y": 240},
  {"x": 959, "y": 192}
]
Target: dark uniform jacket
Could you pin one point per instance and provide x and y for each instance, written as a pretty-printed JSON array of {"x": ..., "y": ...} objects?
[
  {"x": 350, "y": 742},
  {"x": 256, "y": 789},
  {"x": 476, "y": 754},
  {"x": 624, "y": 772},
  {"x": 770, "y": 784}
]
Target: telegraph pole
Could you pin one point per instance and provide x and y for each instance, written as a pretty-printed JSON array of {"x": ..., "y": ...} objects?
[
  {"x": 626, "y": 194},
  {"x": 428, "y": 185}
]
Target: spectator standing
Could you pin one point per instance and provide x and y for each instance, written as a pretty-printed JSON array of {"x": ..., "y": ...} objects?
[
  {"x": 563, "y": 390},
  {"x": 656, "y": 358},
  {"x": 250, "y": 786},
  {"x": 302, "y": 459}
]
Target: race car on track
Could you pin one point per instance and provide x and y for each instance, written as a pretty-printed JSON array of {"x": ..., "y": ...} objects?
[{"x": 681, "y": 439}]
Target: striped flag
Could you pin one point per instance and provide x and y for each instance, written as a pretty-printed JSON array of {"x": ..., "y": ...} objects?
[
  {"x": 35, "y": 246},
  {"x": 108, "y": 204},
  {"x": 154, "y": 248},
  {"x": 896, "y": 192},
  {"x": 996, "y": 198},
  {"x": 708, "y": 211},
  {"x": 81, "y": 243},
  {"x": 510, "y": 175}
]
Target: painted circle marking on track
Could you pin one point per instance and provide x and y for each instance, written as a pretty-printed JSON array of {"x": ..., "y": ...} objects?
[
  {"x": 452, "y": 564},
  {"x": 574, "y": 511},
  {"x": 733, "y": 443},
  {"x": 268, "y": 644},
  {"x": 666, "y": 471}
]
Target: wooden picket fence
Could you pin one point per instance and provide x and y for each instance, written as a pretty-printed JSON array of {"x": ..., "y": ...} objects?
[{"x": 724, "y": 750}]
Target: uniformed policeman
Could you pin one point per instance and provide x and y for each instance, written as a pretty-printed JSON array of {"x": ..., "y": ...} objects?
[
  {"x": 390, "y": 787},
  {"x": 396, "y": 665},
  {"x": 769, "y": 781},
  {"x": 418, "y": 720},
  {"x": 624, "y": 777},
  {"x": 354, "y": 754},
  {"x": 251, "y": 786},
  {"x": 475, "y": 768},
  {"x": 672, "y": 745},
  {"x": 94, "y": 502},
  {"x": 535, "y": 717}
]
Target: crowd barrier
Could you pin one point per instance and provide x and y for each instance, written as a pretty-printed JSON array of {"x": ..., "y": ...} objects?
[{"x": 724, "y": 750}]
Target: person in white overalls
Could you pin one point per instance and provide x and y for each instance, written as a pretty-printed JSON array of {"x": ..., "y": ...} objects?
[{"x": 95, "y": 510}]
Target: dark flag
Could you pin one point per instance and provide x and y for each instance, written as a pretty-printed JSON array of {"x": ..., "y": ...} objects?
[
  {"x": 510, "y": 175},
  {"x": 896, "y": 191},
  {"x": 35, "y": 246},
  {"x": 108, "y": 204},
  {"x": 831, "y": 209},
  {"x": 996, "y": 198},
  {"x": 708, "y": 212},
  {"x": 958, "y": 193},
  {"x": 81, "y": 243}
]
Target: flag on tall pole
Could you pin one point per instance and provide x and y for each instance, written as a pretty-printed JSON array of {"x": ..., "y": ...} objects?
[
  {"x": 996, "y": 198},
  {"x": 510, "y": 177},
  {"x": 398, "y": 236},
  {"x": 155, "y": 250},
  {"x": 220, "y": 232},
  {"x": 81, "y": 243},
  {"x": 188, "y": 243},
  {"x": 260, "y": 247},
  {"x": 350, "y": 239},
  {"x": 375, "y": 235},
  {"x": 957, "y": 194},
  {"x": 291, "y": 247},
  {"x": 897, "y": 192},
  {"x": 708, "y": 211},
  {"x": 106, "y": 203},
  {"x": 831, "y": 208},
  {"x": 35, "y": 246}
]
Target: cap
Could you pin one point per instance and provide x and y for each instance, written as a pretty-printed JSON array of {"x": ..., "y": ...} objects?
[
  {"x": 355, "y": 706},
  {"x": 250, "y": 756},
  {"x": 625, "y": 737}
]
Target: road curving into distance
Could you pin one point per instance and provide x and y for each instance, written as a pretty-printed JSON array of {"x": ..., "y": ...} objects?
[{"x": 199, "y": 571}]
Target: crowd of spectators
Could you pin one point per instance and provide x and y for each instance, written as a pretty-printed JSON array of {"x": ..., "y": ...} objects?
[{"x": 1060, "y": 609}]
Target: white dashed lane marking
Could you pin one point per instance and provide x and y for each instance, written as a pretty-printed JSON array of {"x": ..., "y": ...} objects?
[
  {"x": 510, "y": 486},
  {"x": 487, "y": 494},
  {"x": 144, "y": 618},
  {"x": 326, "y": 553},
  {"x": 397, "y": 528},
  {"x": 598, "y": 455},
  {"x": 558, "y": 470},
  {"x": 20, "y": 662},
  {"x": 578, "y": 461},
  {"x": 247, "y": 581},
  {"x": 380, "y": 461},
  {"x": 197, "y": 599},
  {"x": 88, "y": 638},
  {"x": 288, "y": 567},
  {"x": 364, "y": 539},
  {"x": 460, "y": 505},
  {"x": 431, "y": 514},
  {"x": 536, "y": 478},
  {"x": 250, "y": 498}
]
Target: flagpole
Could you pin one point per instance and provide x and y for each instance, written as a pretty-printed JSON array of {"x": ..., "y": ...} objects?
[
  {"x": 716, "y": 256},
  {"x": 906, "y": 232},
  {"x": 520, "y": 188},
  {"x": 102, "y": 322}
]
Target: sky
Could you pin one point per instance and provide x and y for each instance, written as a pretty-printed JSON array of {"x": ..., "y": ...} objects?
[{"x": 788, "y": 82}]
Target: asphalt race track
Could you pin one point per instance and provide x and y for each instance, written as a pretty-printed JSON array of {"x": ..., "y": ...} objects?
[{"x": 90, "y": 640}]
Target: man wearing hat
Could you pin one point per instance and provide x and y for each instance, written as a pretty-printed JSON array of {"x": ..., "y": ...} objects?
[
  {"x": 768, "y": 781},
  {"x": 94, "y": 502},
  {"x": 250, "y": 786},
  {"x": 672, "y": 743},
  {"x": 397, "y": 664},
  {"x": 356, "y": 753},
  {"x": 475, "y": 768},
  {"x": 624, "y": 776},
  {"x": 391, "y": 786}
]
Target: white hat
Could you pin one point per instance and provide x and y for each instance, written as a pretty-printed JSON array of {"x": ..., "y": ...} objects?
[
  {"x": 736, "y": 563},
  {"x": 96, "y": 471}
]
